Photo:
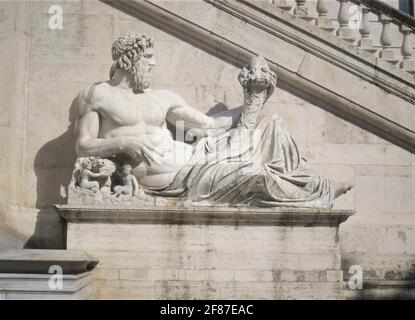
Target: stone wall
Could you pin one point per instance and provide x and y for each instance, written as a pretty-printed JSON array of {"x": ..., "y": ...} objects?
[
  {"x": 282, "y": 253},
  {"x": 43, "y": 70}
]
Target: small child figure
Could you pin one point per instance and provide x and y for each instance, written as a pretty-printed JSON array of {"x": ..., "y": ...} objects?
[
  {"x": 129, "y": 182},
  {"x": 85, "y": 175}
]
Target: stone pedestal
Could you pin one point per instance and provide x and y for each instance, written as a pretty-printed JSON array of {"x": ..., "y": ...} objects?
[
  {"x": 210, "y": 253},
  {"x": 46, "y": 275}
]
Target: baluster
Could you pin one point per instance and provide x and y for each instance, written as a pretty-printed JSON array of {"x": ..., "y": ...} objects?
[
  {"x": 301, "y": 10},
  {"x": 282, "y": 4},
  {"x": 407, "y": 50},
  {"x": 323, "y": 21},
  {"x": 344, "y": 32},
  {"x": 387, "y": 52},
  {"x": 365, "y": 42}
]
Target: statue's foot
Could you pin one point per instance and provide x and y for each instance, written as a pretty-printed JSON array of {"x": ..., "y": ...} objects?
[{"x": 342, "y": 188}]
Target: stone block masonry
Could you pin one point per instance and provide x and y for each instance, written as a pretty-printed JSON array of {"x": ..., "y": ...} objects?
[{"x": 210, "y": 253}]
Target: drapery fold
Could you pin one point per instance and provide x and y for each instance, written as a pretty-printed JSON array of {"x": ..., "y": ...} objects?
[{"x": 260, "y": 167}]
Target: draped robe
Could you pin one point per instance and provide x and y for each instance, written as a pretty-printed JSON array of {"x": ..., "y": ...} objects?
[{"x": 249, "y": 167}]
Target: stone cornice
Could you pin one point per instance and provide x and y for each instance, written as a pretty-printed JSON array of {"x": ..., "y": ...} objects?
[
  {"x": 284, "y": 216},
  {"x": 392, "y": 80},
  {"x": 36, "y": 261}
]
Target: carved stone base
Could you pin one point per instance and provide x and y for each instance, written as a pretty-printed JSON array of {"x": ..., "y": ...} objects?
[
  {"x": 388, "y": 55},
  {"x": 367, "y": 45},
  {"x": 325, "y": 24},
  {"x": 26, "y": 275},
  {"x": 210, "y": 252},
  {"x": 407, "y": 65},
  {"x": 347, "y": 34},
  {"x": 284, "y": 5}
]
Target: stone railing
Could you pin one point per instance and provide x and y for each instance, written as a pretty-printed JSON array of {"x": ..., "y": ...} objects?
[{"x": 386, "y": 15}]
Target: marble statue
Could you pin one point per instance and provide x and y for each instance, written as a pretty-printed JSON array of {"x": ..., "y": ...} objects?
[
  {"x": 129, "y": 185},
  {"x": 242, "y": 159},
  {"x": 85, "y": 176},
  {"x": 93, "y": 174}
]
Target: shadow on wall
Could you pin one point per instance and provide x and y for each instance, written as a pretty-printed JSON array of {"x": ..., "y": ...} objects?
[
  {"x": 53, "y": 168},
  {"x": 405, "y": 290}
]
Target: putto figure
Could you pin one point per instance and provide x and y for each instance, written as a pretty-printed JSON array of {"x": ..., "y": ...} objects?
[
  {"x": 242, "y": 160},
  {"x": 86, "y": 176},
  {"x": 93, "y": 174},
  {"x": 129, "y": 185}
]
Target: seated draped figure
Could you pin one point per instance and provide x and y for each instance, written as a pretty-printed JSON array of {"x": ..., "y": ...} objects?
[{"x": 126, "y": 150}]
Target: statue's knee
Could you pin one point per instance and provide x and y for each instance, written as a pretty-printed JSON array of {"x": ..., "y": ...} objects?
[{"x": 256, "y": 170}]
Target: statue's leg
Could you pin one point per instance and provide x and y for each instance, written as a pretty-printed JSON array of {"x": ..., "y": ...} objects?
[
  {"x": 125, "y": 190},
  {"x": 117, "y": 190},
  {"x": 95, "y": 186},
  {"x": 90, "y": 185},
  {"x": 275, "y": 146}
]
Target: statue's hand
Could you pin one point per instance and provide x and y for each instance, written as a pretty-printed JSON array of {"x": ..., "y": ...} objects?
[{"x": 142, "y": 150}]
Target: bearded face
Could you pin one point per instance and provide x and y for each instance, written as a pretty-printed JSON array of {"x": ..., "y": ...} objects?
[
  {"x": 142, "y": 70},
  {"x": 142, "y": 73},
  {"x": 134, "y": 53}
]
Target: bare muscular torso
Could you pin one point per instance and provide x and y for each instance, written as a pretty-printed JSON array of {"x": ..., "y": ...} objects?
[
  {"x": 126, "y": 114},
  {"x": 123, "y": 113}
]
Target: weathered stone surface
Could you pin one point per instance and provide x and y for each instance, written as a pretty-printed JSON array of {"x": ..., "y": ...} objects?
[
  {"x": 413, "y": 184},
  {"x": 38, "y": 261},
  {"x": 214, "y": 290},
  {"x": 210, "y": 253},
  {"x": 36, "y": 160},
  {"x": 387, "y": 194},
  {"x": 176, "y": 212},
  {"x": 27, "y": 274},
  {"x": 83, "y": 294},
  {"x": 385, "y": 234},
  {"x": 34, "y": 228},
  {"x": 383, "y": 247},
  {"x": 384, "y": 291},
  {"x": 385, "y": 276},
  {"x": 356, "y": 154}
]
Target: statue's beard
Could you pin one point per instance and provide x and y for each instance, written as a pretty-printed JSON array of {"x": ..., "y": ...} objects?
[{"x": 141, "y": 76}]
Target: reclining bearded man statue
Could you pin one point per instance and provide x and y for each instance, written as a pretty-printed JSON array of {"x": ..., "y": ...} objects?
[{"x": 241, "y": 160}]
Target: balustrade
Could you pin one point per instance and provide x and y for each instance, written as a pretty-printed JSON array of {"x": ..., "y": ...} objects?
[{"x": 386, "y": 16}]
